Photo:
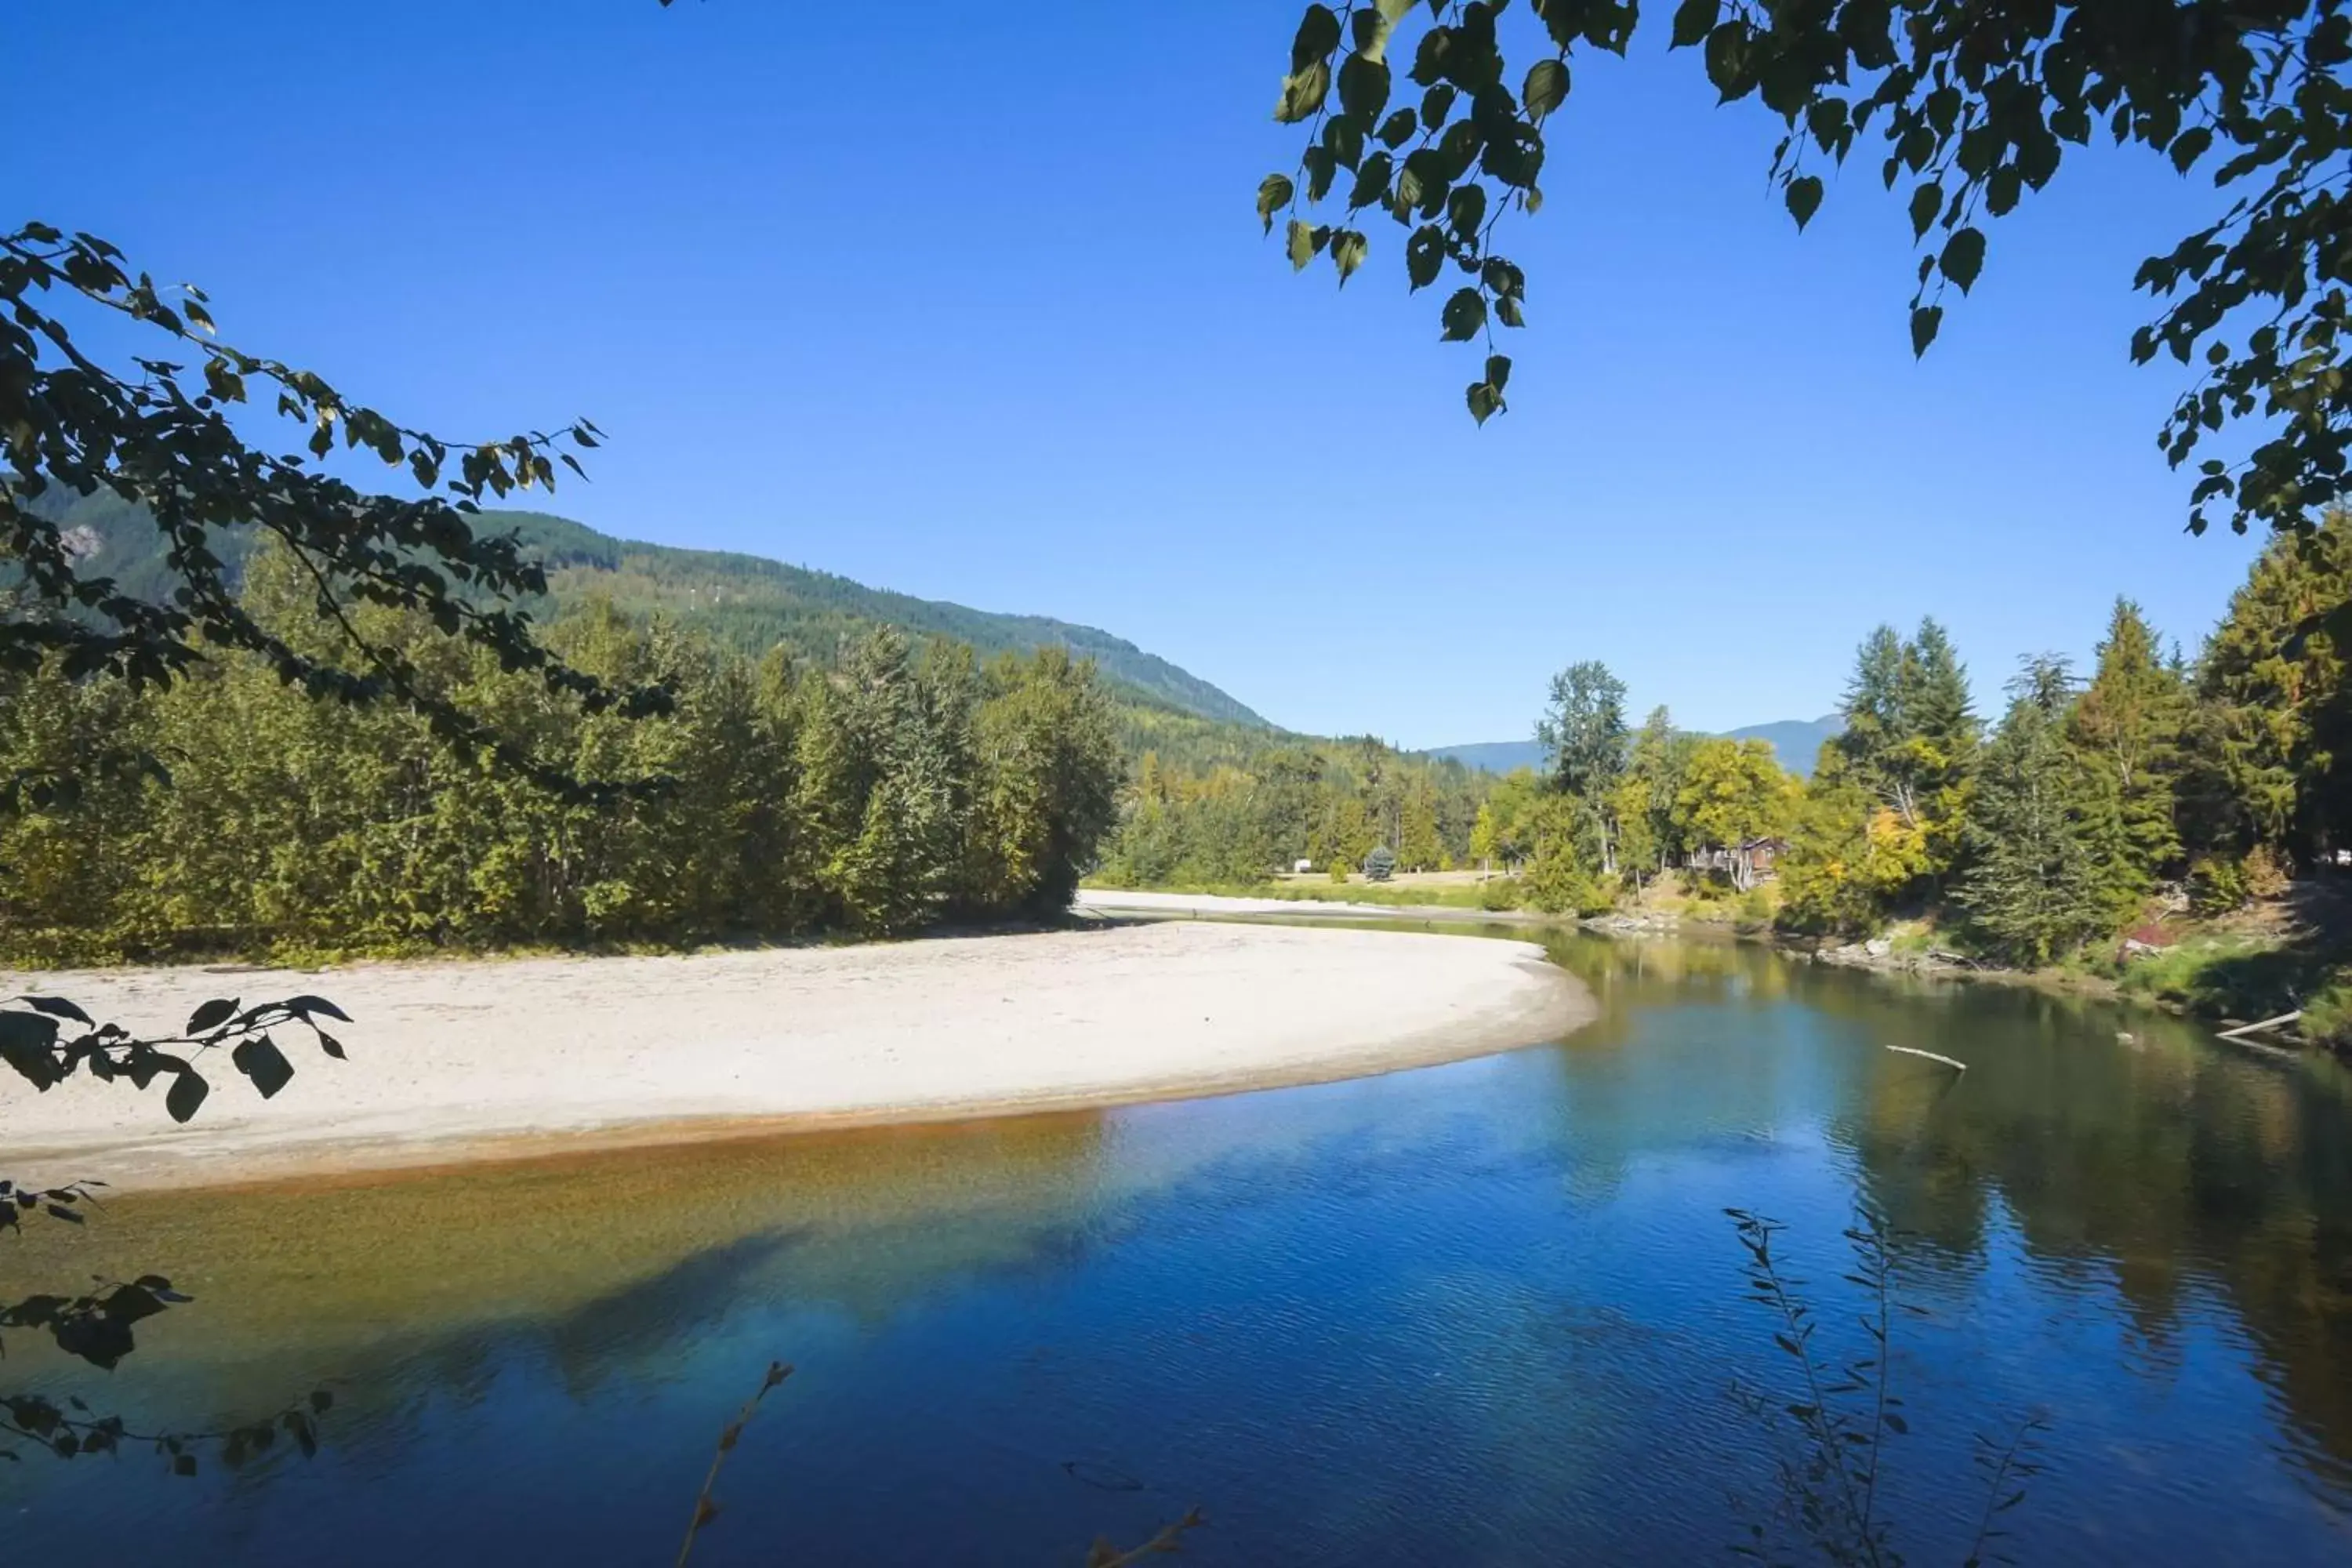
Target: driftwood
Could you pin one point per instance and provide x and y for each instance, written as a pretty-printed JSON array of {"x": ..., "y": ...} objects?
[
  {"x": 2244, "y": 1030},
  {"x": 1915, "y": 1051}
]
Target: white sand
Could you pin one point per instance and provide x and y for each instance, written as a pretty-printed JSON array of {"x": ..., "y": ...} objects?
[
  {"x": 461, "y": 1060},
  {"x": 1122, "y": 900}
]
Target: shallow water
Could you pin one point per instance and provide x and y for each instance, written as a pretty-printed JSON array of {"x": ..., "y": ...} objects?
[{"x": 1489, "y": 1312}]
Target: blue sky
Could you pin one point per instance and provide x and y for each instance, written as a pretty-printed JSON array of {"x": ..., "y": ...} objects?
[{"x": 969, "y": 301}]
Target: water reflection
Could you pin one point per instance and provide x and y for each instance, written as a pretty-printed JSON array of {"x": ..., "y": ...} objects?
[{"x": 1482, "y": 1312}]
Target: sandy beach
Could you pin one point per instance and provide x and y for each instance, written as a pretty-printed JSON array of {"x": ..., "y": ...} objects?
[{"x": 460, "y": 1061}]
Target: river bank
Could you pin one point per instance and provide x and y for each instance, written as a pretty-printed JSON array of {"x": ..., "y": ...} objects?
[{"x": 460, "y": 1061}]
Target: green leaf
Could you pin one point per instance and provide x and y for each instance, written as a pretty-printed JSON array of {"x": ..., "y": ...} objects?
[
  {"x": 1546, "y": 88},
  {"x": 1804, "y": 197},
  {"x": 1371, "y": 181},
  {"x": 260, "y": 1060},
  {"x": 27, "y": 1042},
  {"x": 1925, "y": 319},
  {"x": 1508, "y": 310},
  {"x": 1728, "y": 60},
  {"x": 1317, "y": 36},
  {"x": 1464, "y": 316},
  {"x": 1435, "y": 105},
  {"x": 1694, "y": 20},
  {"x": 211, "y": 1015},
  {"x": 1484, "y": 400},
  {"x": 1320, "y": 166},
  {"x": 1303, "y": 94},
  {"x": 1347, "y": 248},
  {"x": 1343, "y": 138},
  {"x": 1273, "y": 194},
  {"x": 1964, "y": 256},
  {"x": 1370, "y": 29},
  {"x": 1398, "y": 128},
  {"x": 1927, "y": 201},
  {"x": 58, "y": 1007},
  {"x": 1363, "y": 88},
  {"x": 1424, "y": 255},
  {"x": 188, "y": 1094},
  {"x": 1498, "y": 372},
  {"x": 1301, "y": 240},
  {"x": 1465, "y": 209},
  {"x": 2189, "y": 146}
]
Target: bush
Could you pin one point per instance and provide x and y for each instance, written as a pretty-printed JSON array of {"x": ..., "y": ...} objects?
[
  {"x": 2265, "y": 877},
  {"x": 1379, "y": 865},
  {"x": 2327, "y": 1018},
  {"x": 1754, "y": 910},
  {"x": 1339, "y": 870},
  {"x": 2216, "y": 884},
  {"x": 1499, "y": 894}
]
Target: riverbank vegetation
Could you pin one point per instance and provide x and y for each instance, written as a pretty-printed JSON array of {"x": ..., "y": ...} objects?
[
  {"x": 2172, "y": 822},
  {"x": 775, "y": 797}
]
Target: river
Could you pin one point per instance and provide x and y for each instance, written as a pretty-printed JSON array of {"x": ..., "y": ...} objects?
[{"x": 1488, "y": 1313}]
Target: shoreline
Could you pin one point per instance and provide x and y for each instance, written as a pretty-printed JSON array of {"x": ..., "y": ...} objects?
[{"x": 459, "y": 1063}]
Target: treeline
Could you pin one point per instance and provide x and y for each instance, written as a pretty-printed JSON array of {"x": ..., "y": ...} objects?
[
  {"x": 2092, "y": 802},
  {"x": 889, "y": 793},
  {"x": 2205, "y": 781},
  {"x": 1240, "y": 809},
  {"x": 2152, "y": 784}
]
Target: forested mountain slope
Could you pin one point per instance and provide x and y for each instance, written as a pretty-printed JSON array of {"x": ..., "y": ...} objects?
[{"x": 746, "y": 602}]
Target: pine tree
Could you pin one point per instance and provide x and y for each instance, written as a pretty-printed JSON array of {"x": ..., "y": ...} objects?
[
  {"x": 2048, "y": 869},
  {"x": 2277, "y": 707},
  {"x": 2129, "y": 721}
]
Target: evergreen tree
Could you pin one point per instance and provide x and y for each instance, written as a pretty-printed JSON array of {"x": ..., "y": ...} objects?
[
  {"x": 2277, "y": 714},
  {"x": 2128, "y": 722},
  {"x": 2049, "y": 868}
]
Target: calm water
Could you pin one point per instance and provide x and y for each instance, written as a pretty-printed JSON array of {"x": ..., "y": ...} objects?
[{"x": 1483, "y": 1313}]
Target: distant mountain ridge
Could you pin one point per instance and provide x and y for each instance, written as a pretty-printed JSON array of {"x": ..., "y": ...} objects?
[
  {"x": 748, "y": 602},
  {"x": 753, "y": 603},
  {"x": 1796, "y": 743}
]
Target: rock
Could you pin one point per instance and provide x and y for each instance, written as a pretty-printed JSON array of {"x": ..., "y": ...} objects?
[
  {"x": 2135, "y": 948},
  {"x": 1878, "y": 947}
]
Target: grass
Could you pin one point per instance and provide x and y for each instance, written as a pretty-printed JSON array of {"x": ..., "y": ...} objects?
[{"x": 2231, "y": 976}]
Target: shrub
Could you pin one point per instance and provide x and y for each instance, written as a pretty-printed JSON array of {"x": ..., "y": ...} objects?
[
  {"x": 1499, "y": 894},
  {"x": 2327, "y": 1016},
  {"x": 2216, "y": 884},
  {"x": 1339, "y": 870},
  {"x": 1379, "y": 865}
]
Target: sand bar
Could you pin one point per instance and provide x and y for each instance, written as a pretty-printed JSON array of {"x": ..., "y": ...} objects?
[
  {"x": 1226, "y": 905},
  {"x": 457, "y": 1060}
]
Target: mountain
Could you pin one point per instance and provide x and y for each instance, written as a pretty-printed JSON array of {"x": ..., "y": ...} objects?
[
  {"x": 1795, "y": 741},
  {"x": 1495, "y": 756},
  {"x": 753, "y": 603},
  {"x": 745, "y": 600}
]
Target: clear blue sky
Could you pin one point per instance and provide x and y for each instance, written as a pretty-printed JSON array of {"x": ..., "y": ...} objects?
[{"x": 969, "y": 301}]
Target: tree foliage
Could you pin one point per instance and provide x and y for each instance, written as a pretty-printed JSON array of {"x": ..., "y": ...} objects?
[
  {"x": 162, "y": 439},
  {"x": 2050, "y": 868},
  {"x": 890, "y": 793},
  {"x": 1967, "y": 106}
]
